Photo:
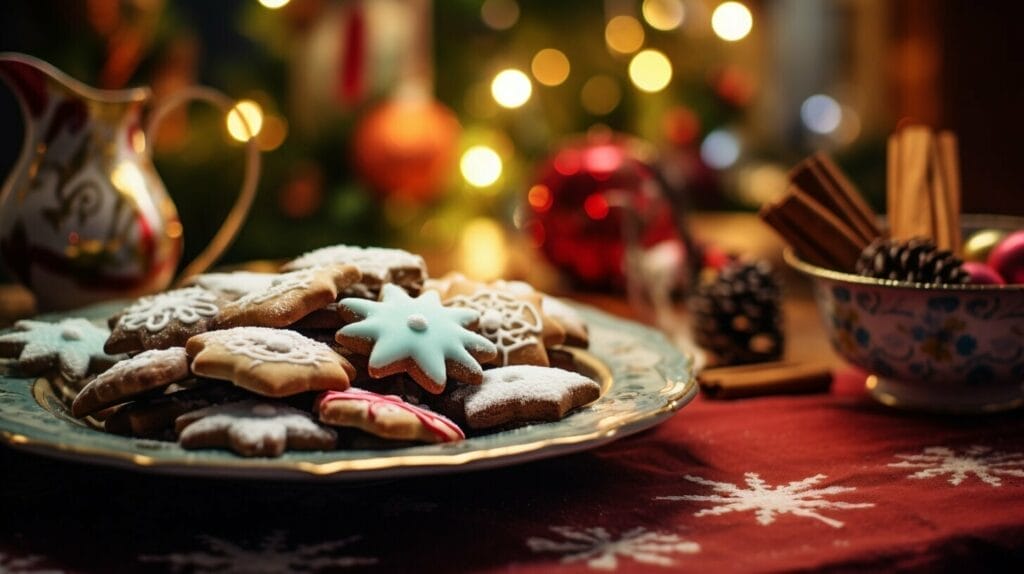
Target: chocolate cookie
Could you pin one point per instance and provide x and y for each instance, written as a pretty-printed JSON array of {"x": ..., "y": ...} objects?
[{"x": 163, "y": 320}]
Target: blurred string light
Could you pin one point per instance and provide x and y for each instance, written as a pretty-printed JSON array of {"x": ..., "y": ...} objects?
[
  {"x": 624, "y": 34},
  {"x": 272, "y": 133},
  {"x": 600, "y": 95},
  {"x": 650, "y": 71},
  {"x": 731, "y": 21},
  {"x": 253, "y": 120},
  {"x": 274, "y": 4},
  {"x": 481, "y": 166},
  {"x": 483, "y": 249},
  {"x": 663, "y": 15},
  {"x": 720, "y": 149},
  {"x": 511, "y": 88},
  {"x": 550, "y": 67},
  {"x": 821, "y": 114},
  {"x": 499, "y": 14}
]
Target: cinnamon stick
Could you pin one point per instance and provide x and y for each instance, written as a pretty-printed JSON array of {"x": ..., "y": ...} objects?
[
  {"x": 783, "y": 377},
  {"x": 834, "y": 238},
  {"x": 808, "y": 250},
  {"x": 915, "y": 201},
  {"x": 892, "y": 184},
  {"x": 819, "y": 177},
  {"x": 949, "y": 161}
]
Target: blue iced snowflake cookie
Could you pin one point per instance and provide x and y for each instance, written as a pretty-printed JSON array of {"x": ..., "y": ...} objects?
[{"x": 74, "y": 345}]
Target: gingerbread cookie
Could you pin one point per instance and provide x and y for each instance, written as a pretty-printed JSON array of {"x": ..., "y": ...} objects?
[
  {"x": 418, "y": 336},
  {"x": 290, "y": 297},
  {"x": 163, "y": 320},
  {"x": 73, "y": 345},
  {"x": 377, "y": 265},
  {"x": 145, "y": 372},
  {"x": 518, "y": 394},
  {"x": 386, "y": 416},
  {"x": 153, "y": 416},
  {"x": 253, "y": 428},
  {"x": 231, "y": 286},
  {"x": 512, "y": 322},
  {"x": 269, "y": 362},
  {"x": 575, "y": 327}
]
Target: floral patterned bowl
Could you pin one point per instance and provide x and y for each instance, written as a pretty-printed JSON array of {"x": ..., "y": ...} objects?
[{"x": 940, "y": 348}]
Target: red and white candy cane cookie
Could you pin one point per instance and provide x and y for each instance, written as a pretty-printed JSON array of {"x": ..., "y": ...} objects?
[{"x": 386, "y": 416}]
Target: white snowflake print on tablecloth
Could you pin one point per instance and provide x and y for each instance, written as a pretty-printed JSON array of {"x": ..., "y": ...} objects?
[
  {"x": 798, "y": 498},
  {"x": 28, "y": 564},
  {"x": 270, "y": 556},
  {"x": 981, "y": 461},
  {"x": 600, "y": 550}
]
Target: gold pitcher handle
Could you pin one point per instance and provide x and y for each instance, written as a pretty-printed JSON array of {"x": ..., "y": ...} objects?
[{"x": 240, "y": 210}]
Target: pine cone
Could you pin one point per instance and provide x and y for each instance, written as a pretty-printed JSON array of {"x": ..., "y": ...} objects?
[
  {"x": 915, "y": 261},
  {"x": 737, "y": 314}
]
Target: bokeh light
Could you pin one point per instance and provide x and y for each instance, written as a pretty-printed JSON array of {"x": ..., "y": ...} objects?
[
  {"x": 732, "y": 21},
  {"x": 550, "y": 67},
  {"x": 274, "y": 4},
  {"x": 272, "y": 133},
  {"x": 663, "y": 15},
  {"x": 483, "y": 250},
  {"x": 499, "y": 14},
  {"x": 720, "y": 149},
  {"x": 539, "y": 197},
  {"x": 600, "y": 95},
  {"x": 650, "y": 71},
  {"x": 511, "y": 88},
  {"x": 821, "y": 114},
  {"x": 624, "y": 34},
  {"x": 252, "y": 124},
  {"x": 481, "y": 166}
]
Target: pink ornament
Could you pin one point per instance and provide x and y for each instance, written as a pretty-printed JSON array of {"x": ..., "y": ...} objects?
[
  {"x": 1007, "y": 259},
  {"x": 982, "y": 274}
]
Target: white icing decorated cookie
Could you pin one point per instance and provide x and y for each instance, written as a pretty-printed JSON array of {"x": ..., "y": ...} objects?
[
  {"x": 253, "y": 428},
  {"x": 288, "y": 298},
  {"x": 521, "y": 393},
  {"x": 269, "y": 362},
  {"x": 378, "y": 266},
  {"x": 163, "y": 320},
  {"x": 512, "y": 323},
  {"x": 418, "y": 336},
  {"x": 144, "y": 372},
  {"x": 386, "y": 416},
  {"x": 73, "y": 345}
]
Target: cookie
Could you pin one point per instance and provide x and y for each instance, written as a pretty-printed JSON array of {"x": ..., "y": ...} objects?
[
  {"x": 269, "y": 362},
  {"x": 386, "y": 416},
  {"x": 253, "y": 428},
  {"x": 378, "y": 266},
  {"x": 231, "y": 286},
  {"x": 73, "y": 345},
  {"x": 519, "y": 394},
  {"x": 290, "y": 297},
  {"x": 145, "y": 372},
  {"x": 326, "y": 318},
  {"x": 418, "y": 336},
  {"x": 163, "y": 320},
  {"x": 576, "y": 330},
  {"x": 153, "y": 416}
]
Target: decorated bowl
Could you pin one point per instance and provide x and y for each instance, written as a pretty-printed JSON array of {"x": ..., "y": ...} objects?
[{"x": 949, "y": 348}]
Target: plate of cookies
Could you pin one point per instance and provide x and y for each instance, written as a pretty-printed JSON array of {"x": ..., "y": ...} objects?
[{"x": 349, "y": 363}]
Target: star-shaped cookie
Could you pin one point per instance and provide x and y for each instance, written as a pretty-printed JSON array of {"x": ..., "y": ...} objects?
[
  {"x": 253, "y": 428},
  {"x": 419, "y": 336},
  {"x": 74, "y": 345}
]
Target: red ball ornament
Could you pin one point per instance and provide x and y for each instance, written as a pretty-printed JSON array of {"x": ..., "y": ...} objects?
[
  {"x": 585, "y": 195},
  {"x": 982, "y": 274},
  {"x": 406, "y": 147},
  {"x": 1007, "y": 259}
]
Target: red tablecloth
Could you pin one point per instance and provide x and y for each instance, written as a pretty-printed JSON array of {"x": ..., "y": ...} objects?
[{"x": 780, "y": 483}]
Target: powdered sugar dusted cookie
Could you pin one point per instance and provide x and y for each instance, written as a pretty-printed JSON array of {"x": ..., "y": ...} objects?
[
  {"x": 522, "y": 393},
  {"x": 163, "y": 320},
  {"x": 73, "y": 345},
  {"x": 377, "y": 264},
  {"x": 386, "y": 416},
  {"x": 418, "y": 336},
  {"x": 290, "y": 297},
  {"x": 233, "y": 285},
  {"x": 142, "y": 373},
  {"x": 253, "y": 428},
  {"x": 269, "y": 362}
]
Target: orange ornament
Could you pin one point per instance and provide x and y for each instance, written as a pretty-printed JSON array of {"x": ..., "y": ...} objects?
[{"x": 406, "y": 147}]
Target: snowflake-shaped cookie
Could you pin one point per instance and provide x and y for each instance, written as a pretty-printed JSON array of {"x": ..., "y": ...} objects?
[
  {"x": 72, "y": 344},
  {"x": 419, "y": 336},
  {"x": 163, "y": 320},
  {"x": 377, "y": 264},
  {"x": 270, "y": 362},
  {"x": 386, "y": 416},
  {"x": 253, "y": 428},
  {"x": 512, "y": 323}
]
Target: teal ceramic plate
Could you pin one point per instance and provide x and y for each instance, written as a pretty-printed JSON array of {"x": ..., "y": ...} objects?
[{"x": 644, "y": 379}]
